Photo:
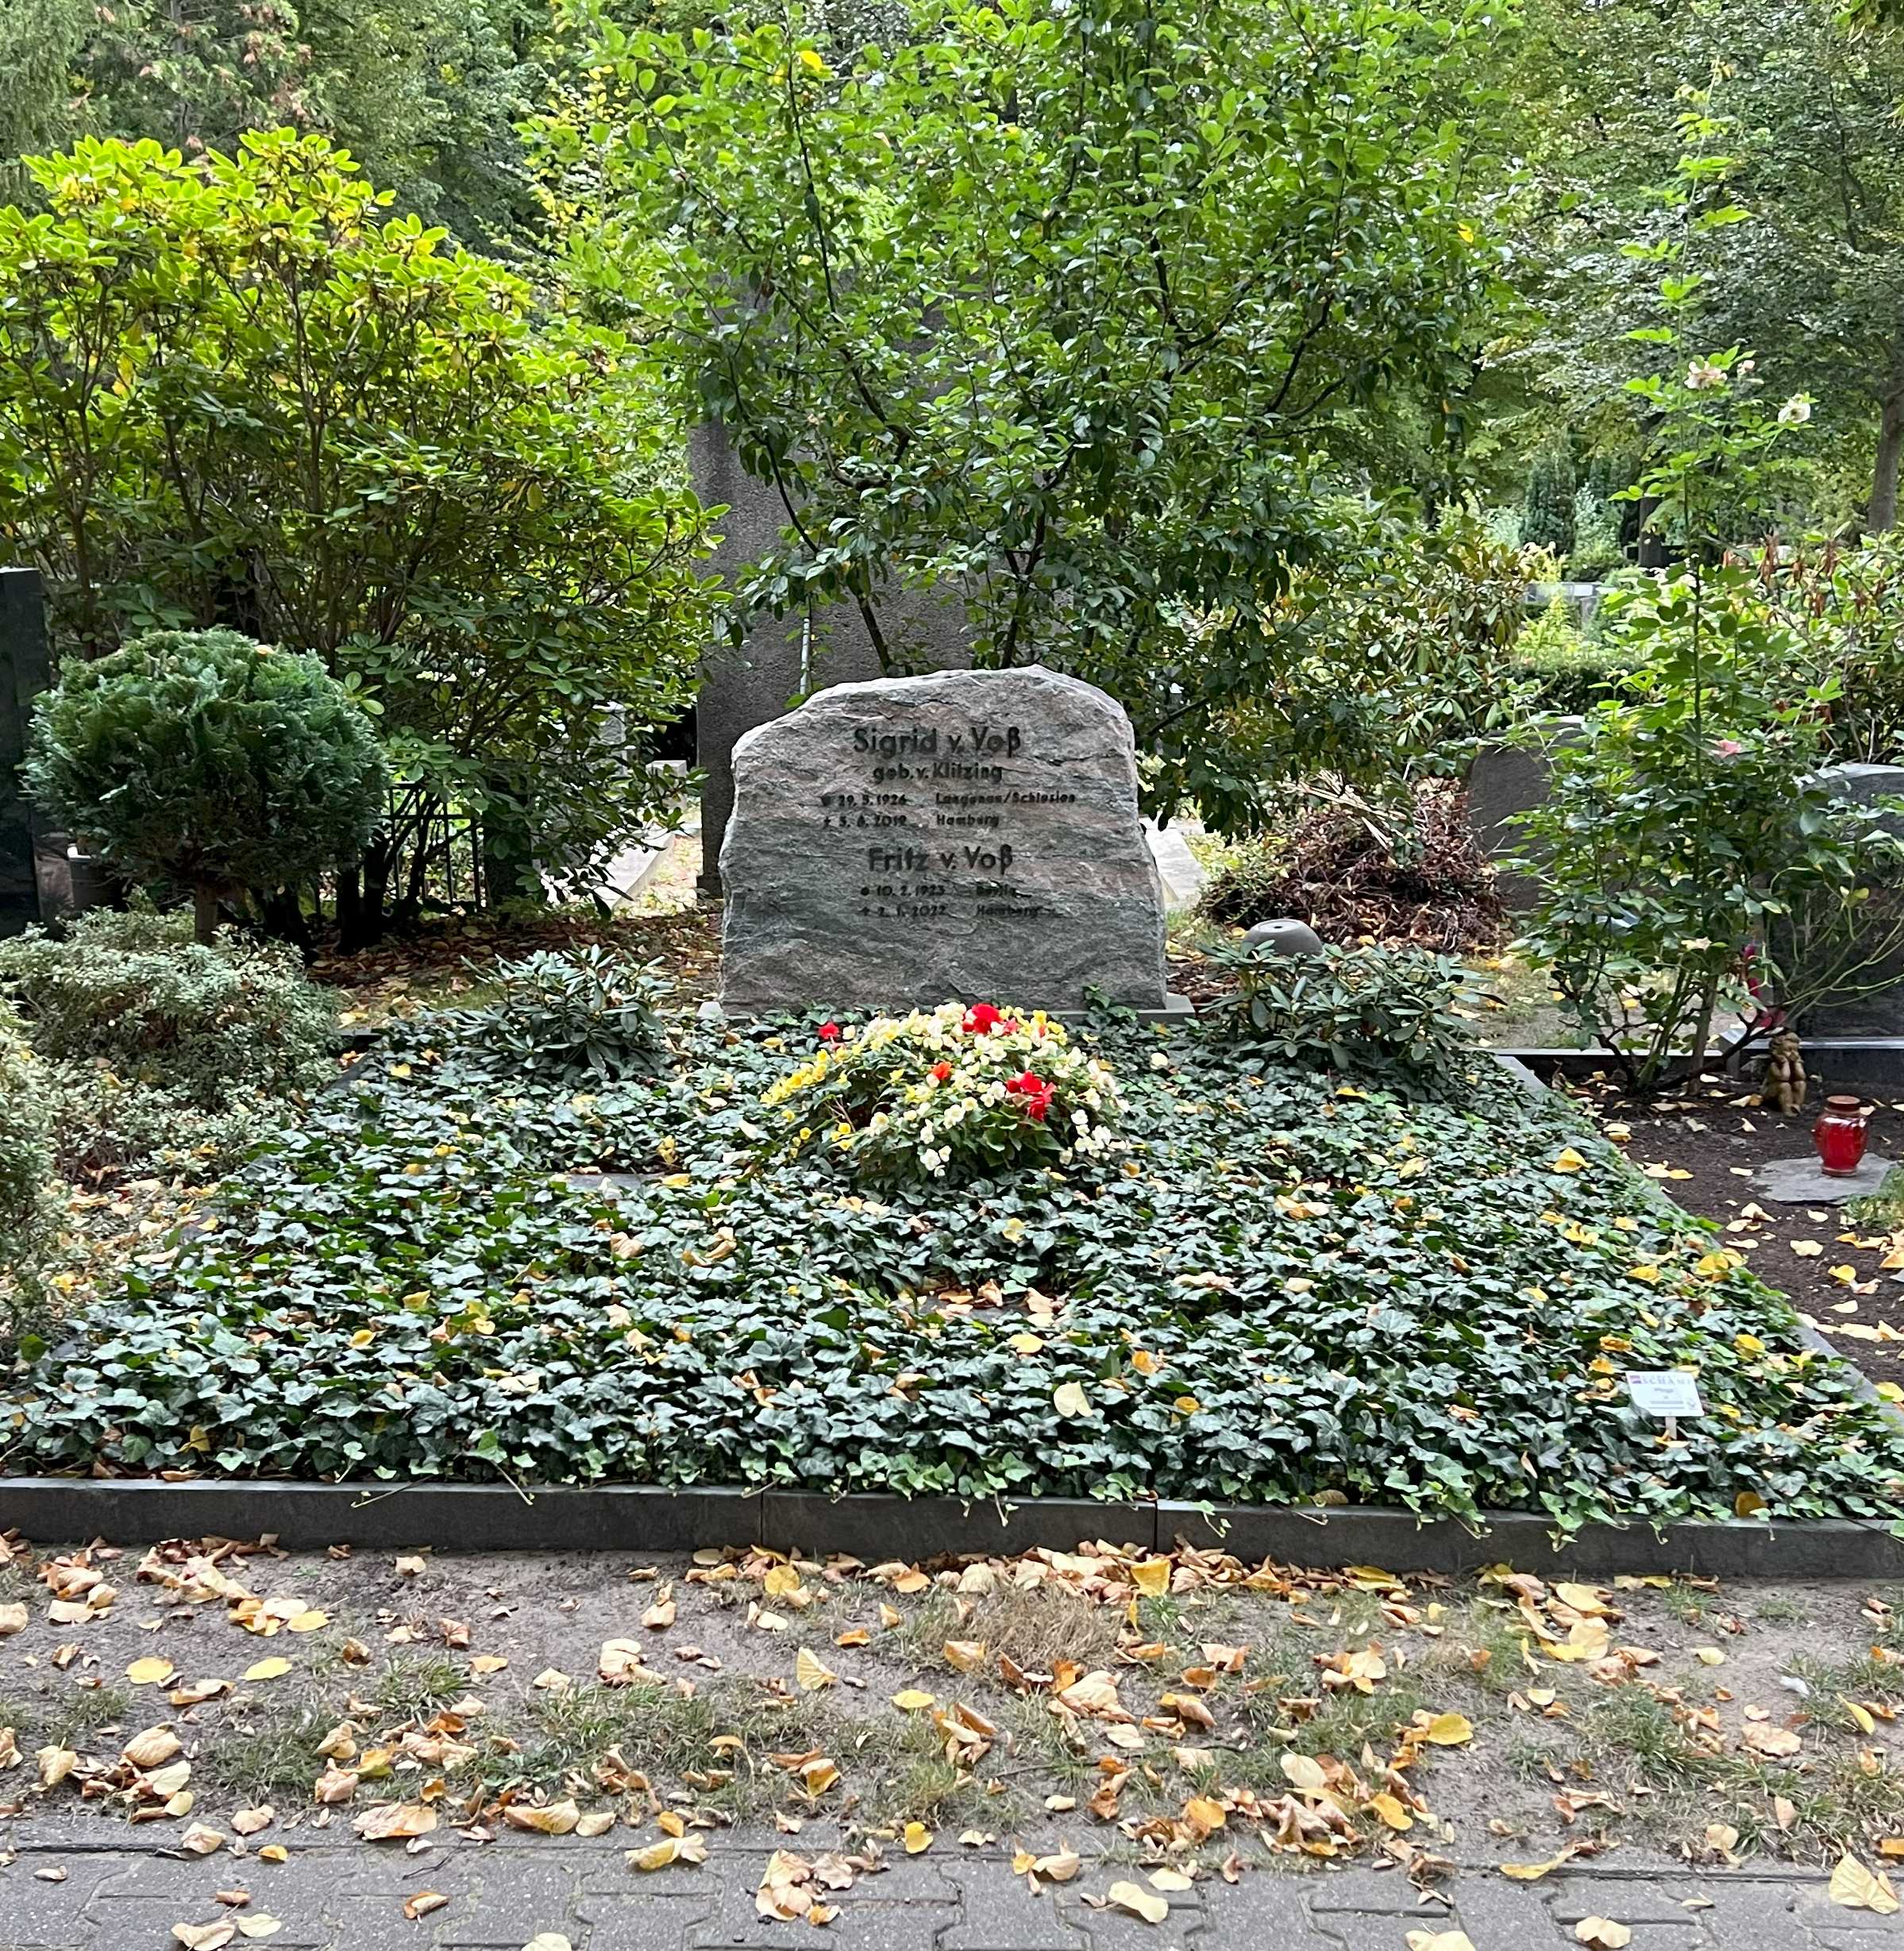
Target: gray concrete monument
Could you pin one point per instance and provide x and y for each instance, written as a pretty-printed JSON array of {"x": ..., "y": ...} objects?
[
  {"x": 969, "y": 834},
  {"x": 789, "y": 657}
]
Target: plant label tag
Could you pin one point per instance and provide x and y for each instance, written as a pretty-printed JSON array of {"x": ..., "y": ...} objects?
[{"x": 1667, "y": 1392}]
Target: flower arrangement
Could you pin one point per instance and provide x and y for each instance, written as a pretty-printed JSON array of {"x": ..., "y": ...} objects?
[{"x": 958, "y": 1091}]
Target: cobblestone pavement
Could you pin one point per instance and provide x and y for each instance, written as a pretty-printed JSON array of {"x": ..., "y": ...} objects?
[{"x": 347, "y": 1897}]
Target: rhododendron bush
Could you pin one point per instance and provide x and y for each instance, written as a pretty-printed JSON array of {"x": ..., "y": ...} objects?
[{"x": 958, "y": 1093}]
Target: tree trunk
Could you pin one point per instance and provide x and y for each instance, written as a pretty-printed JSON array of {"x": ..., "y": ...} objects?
[
  {"x": 360, "y": 891},
  {"x": 508, "y": 848},
  {"x": 1883, "y": 516},
  {"x": 377, "y": 888},
  {"x": 350, "y": 910},
  {"x": 204, "y": 912},
  {"x": 281, "y": 913}
]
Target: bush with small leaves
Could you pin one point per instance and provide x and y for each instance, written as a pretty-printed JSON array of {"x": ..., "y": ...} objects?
[
  {"x": 153, "y": 1045},
  {"x": 26, "y": 1153},
  {"x": 1572, "y": 672},
  {"x": 207, "y": 762}
]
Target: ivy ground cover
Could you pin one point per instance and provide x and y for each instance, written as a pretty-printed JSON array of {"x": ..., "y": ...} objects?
[{"x": 1277, "y": 1286}]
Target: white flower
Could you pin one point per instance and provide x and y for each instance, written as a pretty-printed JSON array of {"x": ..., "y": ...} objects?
[
  {"x": 1795, "y": 411},
  {"x": 1703, "y": 376}
]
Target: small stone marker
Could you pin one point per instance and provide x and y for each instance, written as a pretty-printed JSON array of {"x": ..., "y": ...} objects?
[
  {"x": 1284, "y": 937},
  {"x": 970, "y": 834},
  {"x": 1804, "y": 1182}
]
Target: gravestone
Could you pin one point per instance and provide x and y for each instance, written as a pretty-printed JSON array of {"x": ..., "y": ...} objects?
[
  {"x": 1503, "y": 781},
  {"x": 967, "y": 834},
  {"x": 1877, "y": 1009},
  {"x": 24, "y": 673}
]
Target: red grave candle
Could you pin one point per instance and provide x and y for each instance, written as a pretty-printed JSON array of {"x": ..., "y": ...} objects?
[{"x": 1839, "y": 1135}]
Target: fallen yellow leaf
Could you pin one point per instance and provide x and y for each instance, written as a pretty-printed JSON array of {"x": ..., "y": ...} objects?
[
  {"x": 557, "y": 1819},
  {"x": 1859, "y": 1889},
  {"x": 1532, "y": 1873},
  {"x": 1448, "y": 1730},
  {"x": 1140, "y": 1902},
  {"x": 1602, "y": 1934},
  {"x": 390, "y": 1819}
]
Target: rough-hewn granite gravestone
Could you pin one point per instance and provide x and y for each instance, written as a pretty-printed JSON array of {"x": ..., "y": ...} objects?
[{"x": 968, "y": 833}]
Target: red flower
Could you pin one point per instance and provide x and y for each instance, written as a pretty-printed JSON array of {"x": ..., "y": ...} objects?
[
  {"x": 942, "y": 1071},
  {"x": 1036, "y": 1092},
  {"x": 981, "y": 1017},
  {"x": 829, "y": 1032},
  {"x": 1008, "y": 1025}
]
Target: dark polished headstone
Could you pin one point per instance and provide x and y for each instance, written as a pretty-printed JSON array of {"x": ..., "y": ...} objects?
[{"x": 26, "y": 671}]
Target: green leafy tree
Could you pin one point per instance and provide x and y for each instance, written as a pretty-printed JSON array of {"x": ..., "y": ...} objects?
[
  {"x": 205, "y": 760},
  {"x": 1773, "y": 111},
  {"x": 40, "y": 40},
  {"x": 1688, "y": 843},
  {"x": 1058, "y": 312},
  {"x": 425, "y": 93},
  {"x": 235, "y": 393},
  {"x": 1389, "y": 658}
]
